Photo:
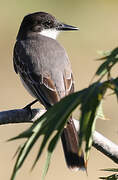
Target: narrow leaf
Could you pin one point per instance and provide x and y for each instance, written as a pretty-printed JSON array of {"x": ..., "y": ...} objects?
[
  {"x": 89, "y": 108},
  {"x": 110, "y": 169},
  {"x": 51, "y": 148},
  {"x": 111, "y": 177}
]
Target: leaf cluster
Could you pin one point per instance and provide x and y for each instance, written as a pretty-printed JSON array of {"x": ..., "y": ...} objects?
[{"x": 50, "y": 125}]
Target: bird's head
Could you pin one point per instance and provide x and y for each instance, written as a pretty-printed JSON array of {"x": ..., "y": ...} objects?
[{"x": 44, "y": 24}]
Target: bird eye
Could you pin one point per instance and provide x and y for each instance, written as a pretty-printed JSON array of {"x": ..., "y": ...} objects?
[{"x": 47, "y": 24}]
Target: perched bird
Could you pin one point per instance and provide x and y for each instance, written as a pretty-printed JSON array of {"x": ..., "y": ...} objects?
[{"x": 45, "y": 71}]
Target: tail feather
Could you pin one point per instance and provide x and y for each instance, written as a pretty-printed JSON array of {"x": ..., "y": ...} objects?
[{"x": 70, "y": 146}]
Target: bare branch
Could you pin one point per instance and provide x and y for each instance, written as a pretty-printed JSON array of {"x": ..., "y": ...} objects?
[
  {"x": 20, "y": 116},
  {"x": 100, "y": 142},
  {"x": 105, "y": 146}
]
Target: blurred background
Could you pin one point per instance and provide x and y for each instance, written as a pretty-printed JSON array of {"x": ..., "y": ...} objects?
[{"x": 98, "y": 23}]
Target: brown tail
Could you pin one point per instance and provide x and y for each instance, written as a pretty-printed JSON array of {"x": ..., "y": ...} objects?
[{"x": 70, "y": 146}]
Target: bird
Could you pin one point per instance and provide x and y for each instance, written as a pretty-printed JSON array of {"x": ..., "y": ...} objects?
[{"x": 45, "y": 71}]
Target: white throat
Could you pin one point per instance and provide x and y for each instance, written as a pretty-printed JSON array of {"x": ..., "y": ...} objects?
[{"x": 51, "y": 33}]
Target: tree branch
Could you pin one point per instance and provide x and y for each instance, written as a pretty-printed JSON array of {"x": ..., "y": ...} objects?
[
  {"x": 20, "y": 116},
  {"x": 105, "y": 146},
  {"x": 100, "y": 142}
]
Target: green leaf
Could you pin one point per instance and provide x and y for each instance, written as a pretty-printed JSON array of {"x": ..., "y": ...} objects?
[
  {"x": 100, "y": 113},
  {"x": 25, "y": 134},
  {"x": 114, "y": 86},
  {"x": 114, "y": 52},
  {"x": 111, "y": 177},
  {"x": 106, "y": 66},
  {"x": 89, "y": 109},
  {"x": 110, "y": 169},
  {"x": 103, "y": 69},
  {"x": 46, "y": 167},
  {"x": 51, "y": 148}
]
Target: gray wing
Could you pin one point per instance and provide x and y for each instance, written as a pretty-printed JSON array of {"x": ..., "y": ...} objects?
[{"x": 47, "y": 80}]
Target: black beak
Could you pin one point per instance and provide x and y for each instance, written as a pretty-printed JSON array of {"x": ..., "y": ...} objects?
[{"x": 65, "y": 27}]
